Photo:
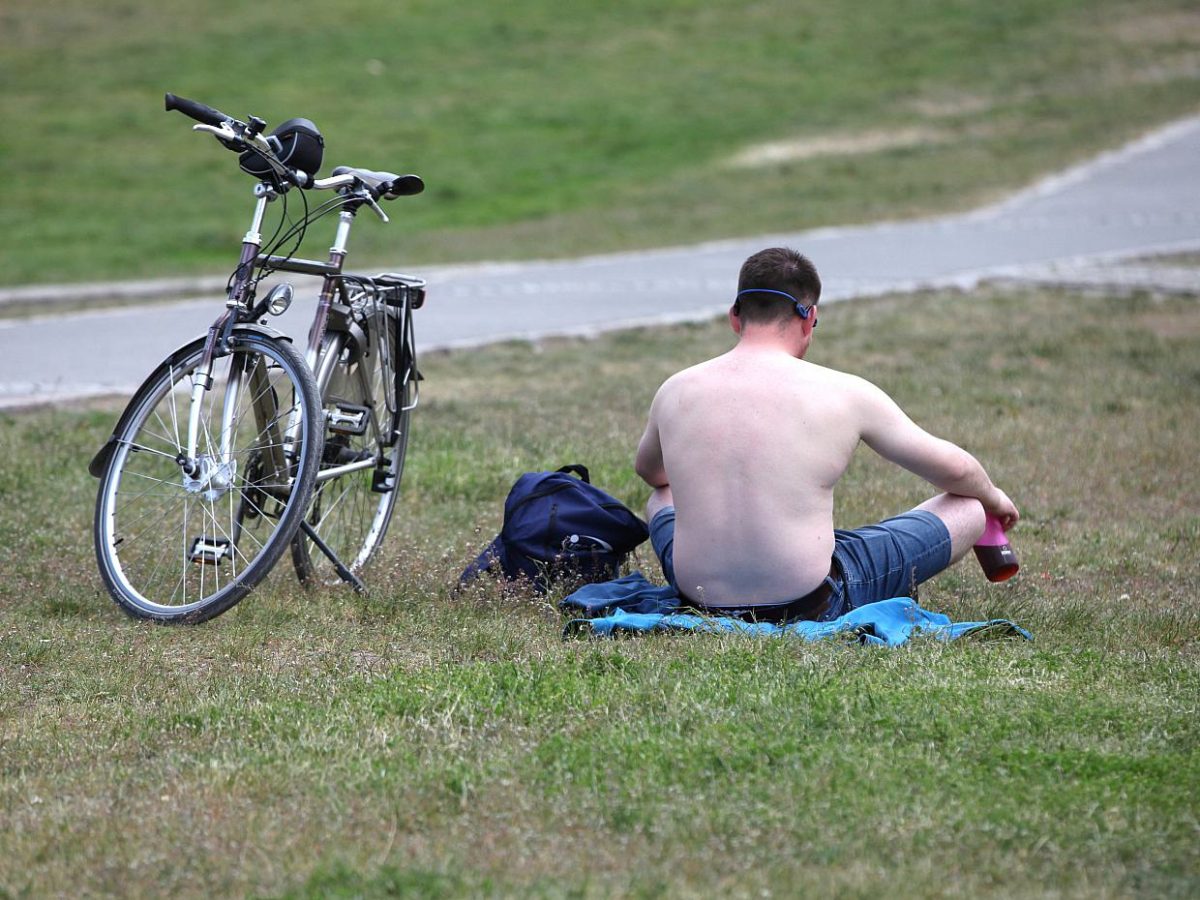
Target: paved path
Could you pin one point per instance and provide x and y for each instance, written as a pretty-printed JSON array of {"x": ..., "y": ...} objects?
[{"x": 1141, "y": 199}]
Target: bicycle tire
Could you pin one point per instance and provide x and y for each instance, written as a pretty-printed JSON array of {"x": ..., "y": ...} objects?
[
  {"x": 351, "y": 513},
  {"x": 180, "y": 548}
]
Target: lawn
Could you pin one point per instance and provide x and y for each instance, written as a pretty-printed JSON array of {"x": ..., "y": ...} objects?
[
  {"x": 423, "y": 742},
  {"x": 617, "y": 125}
]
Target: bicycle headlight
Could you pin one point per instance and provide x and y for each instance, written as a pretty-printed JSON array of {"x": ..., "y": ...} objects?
[{"x": 279, "y": 299}]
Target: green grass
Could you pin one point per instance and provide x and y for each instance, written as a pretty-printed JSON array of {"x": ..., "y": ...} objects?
[
  {"x": 425, "y": 743},
  {"x": 543, "y": 131}
]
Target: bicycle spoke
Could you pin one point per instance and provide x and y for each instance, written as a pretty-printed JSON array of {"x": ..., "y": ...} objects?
[
  {"x": 345, "y": 492},
  {"x": 130, "y": 535},
  {"x": 143, "y": 448}
]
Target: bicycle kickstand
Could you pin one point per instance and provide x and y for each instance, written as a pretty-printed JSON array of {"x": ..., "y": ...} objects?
[{"x": 345, "y": 574}]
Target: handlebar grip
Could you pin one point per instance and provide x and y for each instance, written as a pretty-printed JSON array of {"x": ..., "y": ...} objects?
[
  {"x": 404, "y": 186},
  {"x": 197, "y": 111}
]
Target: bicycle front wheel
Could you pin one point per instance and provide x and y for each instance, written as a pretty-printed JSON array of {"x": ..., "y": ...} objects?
[
  {"x": 182, "y": 535},
  {"x": 367, "y": 413}
]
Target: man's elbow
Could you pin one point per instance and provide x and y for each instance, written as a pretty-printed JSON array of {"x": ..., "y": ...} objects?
[
  {"x": 962, "y": 465},
  {"x": 653, "y": 475},
  {"x": 959, "y": 467},
  {"x": 656, "y": 479}
]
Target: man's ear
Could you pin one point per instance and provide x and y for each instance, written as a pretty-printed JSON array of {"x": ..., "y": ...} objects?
[{"x": 735, "y": 321}]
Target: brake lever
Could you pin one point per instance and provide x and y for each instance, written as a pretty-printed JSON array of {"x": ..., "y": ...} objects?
[
  {"x": 222, "y": 133},
  {"x": 228, "y": 135},
  {"x": 375, "y": 206}
]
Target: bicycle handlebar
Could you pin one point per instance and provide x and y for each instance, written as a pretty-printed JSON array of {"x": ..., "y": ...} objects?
[
  {"x": 237, "y": 135},
  {"x": 197, "y": 111}
]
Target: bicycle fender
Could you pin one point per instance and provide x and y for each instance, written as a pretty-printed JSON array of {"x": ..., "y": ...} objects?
[
  {"x": 345, "y": 325},
  {"x": 100, "y": 461},
  {"x": 265, "y": 330},
  {"x": 357, "y": 340}
]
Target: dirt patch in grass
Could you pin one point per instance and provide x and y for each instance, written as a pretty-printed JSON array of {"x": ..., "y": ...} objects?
[
  {"x": 1167, "y": 27},
  {"x": 945, "y": 104},
  {"x": 856, "y": 144}
]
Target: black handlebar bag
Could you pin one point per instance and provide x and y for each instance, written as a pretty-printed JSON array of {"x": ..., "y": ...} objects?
[{"x": 297, "y": 143}]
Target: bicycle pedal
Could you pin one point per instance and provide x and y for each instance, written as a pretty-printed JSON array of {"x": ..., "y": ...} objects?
[
  {"x": 383, "y": 481},
  {"x": 210, "y": 551},
  {"x": 347, "y": 418}
]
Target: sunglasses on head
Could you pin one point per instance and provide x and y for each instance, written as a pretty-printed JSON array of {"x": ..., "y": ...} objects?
[{"x": 801, "y": 310}]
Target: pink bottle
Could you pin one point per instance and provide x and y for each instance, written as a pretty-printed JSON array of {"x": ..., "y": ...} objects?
[{"x": 994, "y": 553}]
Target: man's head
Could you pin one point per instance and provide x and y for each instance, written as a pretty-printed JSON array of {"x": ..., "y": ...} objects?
[{"x": 771, "y": 285}]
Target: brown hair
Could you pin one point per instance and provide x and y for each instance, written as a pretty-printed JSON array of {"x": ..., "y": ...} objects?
[{"x": 776, "y": 269}]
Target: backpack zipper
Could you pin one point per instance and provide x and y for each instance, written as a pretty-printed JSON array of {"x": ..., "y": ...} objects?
[
  {"x": 538, "y": 495},
  {"x": 552, "y": 530}
]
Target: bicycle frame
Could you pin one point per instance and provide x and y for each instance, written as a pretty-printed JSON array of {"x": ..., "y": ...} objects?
[{"x": 238, "y": 308}]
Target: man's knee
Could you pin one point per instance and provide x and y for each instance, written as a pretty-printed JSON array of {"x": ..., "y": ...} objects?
[{"x": 963, "y": 518}]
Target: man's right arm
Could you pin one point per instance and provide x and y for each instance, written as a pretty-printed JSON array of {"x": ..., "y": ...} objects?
[{"x": 888, "y": 431}]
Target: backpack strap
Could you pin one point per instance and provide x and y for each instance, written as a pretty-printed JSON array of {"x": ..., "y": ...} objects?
[{"x": 579, "y": 470}]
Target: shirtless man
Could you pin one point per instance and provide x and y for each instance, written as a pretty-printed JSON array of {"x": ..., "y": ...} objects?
[{"x": 743, "y": 452}]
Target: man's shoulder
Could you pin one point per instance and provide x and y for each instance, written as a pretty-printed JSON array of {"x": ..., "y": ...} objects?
[
  {"x": 849, "y": 392},
  {"x": 834, "y": 377},
  {"x": 718, "y": 371},
  {"x": 698, "y": 371},
  {"x": 720, "y": 367}
]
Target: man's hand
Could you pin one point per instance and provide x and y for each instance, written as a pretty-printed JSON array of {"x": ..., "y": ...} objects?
[{"x": 1000, "y": 506}]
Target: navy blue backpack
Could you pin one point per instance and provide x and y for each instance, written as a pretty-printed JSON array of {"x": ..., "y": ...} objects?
[{"x": 556, "y": 525}]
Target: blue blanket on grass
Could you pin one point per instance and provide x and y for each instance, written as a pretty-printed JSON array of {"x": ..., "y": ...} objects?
[{"x": 632, "y": 605}]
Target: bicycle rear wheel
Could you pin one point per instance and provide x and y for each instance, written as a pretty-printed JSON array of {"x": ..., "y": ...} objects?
[
  {"x": 181, "y": 540},
  {"x": 367, "y": 415}
]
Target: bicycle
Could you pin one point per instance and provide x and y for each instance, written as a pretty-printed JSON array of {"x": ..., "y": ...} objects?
[{"x": 237, "y": 448}]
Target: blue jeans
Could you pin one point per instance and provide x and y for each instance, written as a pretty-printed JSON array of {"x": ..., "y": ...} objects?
[{"x": 875, "y": 562}]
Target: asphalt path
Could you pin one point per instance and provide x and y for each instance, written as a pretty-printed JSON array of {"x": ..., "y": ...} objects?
[{"x": 1141, "y": 199}]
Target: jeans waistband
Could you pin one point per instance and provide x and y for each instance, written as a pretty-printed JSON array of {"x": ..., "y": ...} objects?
[{"x": 811, "y": 606}]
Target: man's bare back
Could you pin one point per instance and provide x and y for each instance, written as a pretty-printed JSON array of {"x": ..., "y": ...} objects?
[
  {"x": 747, "y": 447},
  {"x": 781, "y": 431}
]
